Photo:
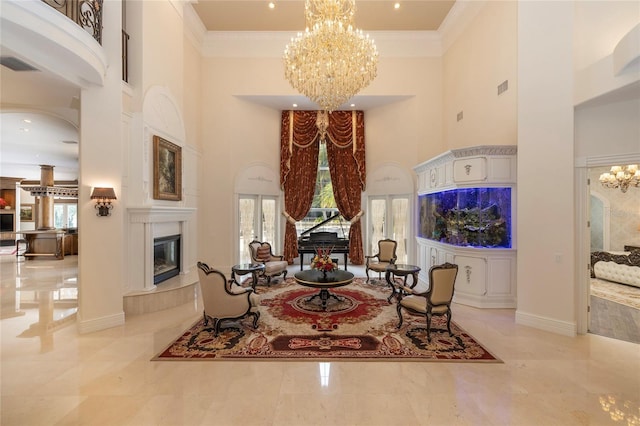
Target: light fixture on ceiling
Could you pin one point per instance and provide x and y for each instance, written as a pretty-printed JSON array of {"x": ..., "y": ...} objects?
[
  {"x": 621, "y": 177},
  {"x": 331, "y": 61}
]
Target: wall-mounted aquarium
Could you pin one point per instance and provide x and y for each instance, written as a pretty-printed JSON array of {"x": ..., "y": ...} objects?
[{"x": 476, "y": 217}]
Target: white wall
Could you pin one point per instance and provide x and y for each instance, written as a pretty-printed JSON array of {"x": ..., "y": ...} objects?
[
  {"x": 546, "y": 279},
  {"x": 163, "y": 38},
  {"x": 235, "y": 133},
  {"x": 599, "y": 29},
  {"x": 481, "y": 58},
  {"x": 604, "y": 129},
  {"x": 101, "y": 271},
  {"x": 599, "y": 26},
  {"x": 411, "y": 129}
]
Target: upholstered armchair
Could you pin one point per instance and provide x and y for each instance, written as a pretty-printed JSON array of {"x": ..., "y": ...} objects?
[
  {"x": 435, "y": 301},
  {"x": 223, "y": 301},
  {"x": 273, "y": 265},
  {"x": 386, "y": 255}
]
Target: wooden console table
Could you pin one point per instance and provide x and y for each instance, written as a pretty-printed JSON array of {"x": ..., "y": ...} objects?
[{"x": 44, "y": 243}]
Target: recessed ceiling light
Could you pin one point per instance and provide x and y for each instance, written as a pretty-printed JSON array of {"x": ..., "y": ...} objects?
[
  {"x": 272, "y": 5},
  {"x": 295, "y": 105},
  {"x": 353, "y": 105},
  {"x": 396, "y": 5},
  {"x": 26, "y": 120}
]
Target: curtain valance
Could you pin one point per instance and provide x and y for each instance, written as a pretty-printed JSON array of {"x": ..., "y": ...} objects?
[{"x": 344, "y": 129}]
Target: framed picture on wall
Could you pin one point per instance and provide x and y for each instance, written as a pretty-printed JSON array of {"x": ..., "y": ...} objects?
[
  {"x": 167, "y": 170},
  {"x": 26, "y": 213}
]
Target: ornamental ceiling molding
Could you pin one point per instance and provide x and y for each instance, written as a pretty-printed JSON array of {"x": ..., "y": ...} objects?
[{"x": 485, "y": 150}]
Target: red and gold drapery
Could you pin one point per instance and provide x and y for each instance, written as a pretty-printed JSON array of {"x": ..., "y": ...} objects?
[{"x": 301, "y": 133}]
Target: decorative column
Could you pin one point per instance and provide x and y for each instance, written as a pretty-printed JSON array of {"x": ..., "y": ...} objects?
[{"x": 45, "y": 207}]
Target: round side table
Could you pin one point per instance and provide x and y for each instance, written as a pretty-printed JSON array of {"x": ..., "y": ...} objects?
[
  {"x": 401, "y": 270},
  {"x": 254, "y": 269}
]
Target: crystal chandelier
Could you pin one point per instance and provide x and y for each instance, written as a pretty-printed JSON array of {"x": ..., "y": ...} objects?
[
  {"x": 621, "y": 177},
  {"x": 331, "y": 61}
]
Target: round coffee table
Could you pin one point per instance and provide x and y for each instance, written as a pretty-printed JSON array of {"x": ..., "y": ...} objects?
[
  {"x": 314, "y": 279},
  {"x": 247, "y": 268},
  {"x": 401, "y": 271}
]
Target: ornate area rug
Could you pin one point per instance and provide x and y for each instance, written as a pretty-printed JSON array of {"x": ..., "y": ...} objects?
[
  {"x": 358, "y": 324},
  {"x": 615, "y": 292}
]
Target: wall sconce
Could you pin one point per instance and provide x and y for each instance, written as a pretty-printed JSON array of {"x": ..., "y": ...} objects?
[{"x": 103, "y": 197}]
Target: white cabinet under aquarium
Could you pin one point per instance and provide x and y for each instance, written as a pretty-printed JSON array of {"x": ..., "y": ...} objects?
[{"x": 466, "y": 201}]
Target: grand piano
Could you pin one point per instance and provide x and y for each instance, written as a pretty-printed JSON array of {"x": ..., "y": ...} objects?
[{"x": 309, "y": 241}]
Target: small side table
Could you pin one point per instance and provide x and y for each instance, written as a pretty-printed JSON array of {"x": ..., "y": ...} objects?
[
  {"x": 254, "y": 269},
  {"x": 401, "y": 271}
]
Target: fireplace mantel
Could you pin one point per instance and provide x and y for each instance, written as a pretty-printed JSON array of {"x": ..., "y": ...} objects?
[
  {"x": 145, "y": 223},
  {"x": 155, "y": 214}
]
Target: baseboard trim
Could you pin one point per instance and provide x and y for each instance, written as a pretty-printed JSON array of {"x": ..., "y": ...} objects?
[
  {"x": 548, "y": 324},
  {"x": 97, "y": 324}
]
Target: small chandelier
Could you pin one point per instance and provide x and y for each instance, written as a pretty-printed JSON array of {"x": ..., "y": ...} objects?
[
  {"x": 331, "y": 61},
  {"x": 621, "y": 177}
]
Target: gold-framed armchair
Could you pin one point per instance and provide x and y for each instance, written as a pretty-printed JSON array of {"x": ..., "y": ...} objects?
[
  {"x": 436, "y": 300},
  {"x": 274, "y": 265},
  {"x": 224, "y": 301},
  {"x": 386, "y": 255}
]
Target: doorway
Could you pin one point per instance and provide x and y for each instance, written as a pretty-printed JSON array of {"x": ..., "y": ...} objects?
[
  {"x": 389, "y": 218},
  {"x": 257, "y": 219},
  {"x": 614, "y": 307}
]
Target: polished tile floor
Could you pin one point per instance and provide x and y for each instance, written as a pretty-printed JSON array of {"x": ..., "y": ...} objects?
[{"x": 52, "y": 376}]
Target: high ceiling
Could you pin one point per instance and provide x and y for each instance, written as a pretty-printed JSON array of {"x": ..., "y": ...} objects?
[
  {"x": 288, "y": 15},
  {"x": 48, "y": 139}
]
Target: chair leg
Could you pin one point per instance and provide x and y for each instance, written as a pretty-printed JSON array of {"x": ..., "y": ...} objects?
[
  {"x": 398, "y": 309},
  {"x": 284, "y": 277},
  {"x": 429, "y": 327},
  {"x": 256, "y": 315},
  {"x": 206, "y": 319},
  {"x": 216, "y": 328},
  {"x": 367, "y": 271},
  {"x": 449, "y": 322}
]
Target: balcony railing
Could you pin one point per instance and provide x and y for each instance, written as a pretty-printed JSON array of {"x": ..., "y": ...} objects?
[{"x": 86, "y": 13}]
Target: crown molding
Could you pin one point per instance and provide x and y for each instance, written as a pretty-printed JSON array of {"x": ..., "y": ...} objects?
[
  {"x": 459, "y": 17},
  {"x": 194, "y": 29}
]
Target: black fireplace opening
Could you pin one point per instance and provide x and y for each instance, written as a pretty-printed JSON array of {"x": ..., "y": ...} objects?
[
  {"x": 6, "y": 225},
  {"x": 166, "y": 258}
]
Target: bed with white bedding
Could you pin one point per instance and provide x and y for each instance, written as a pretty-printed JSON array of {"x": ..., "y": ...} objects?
[{"x": 620, "y": 267}]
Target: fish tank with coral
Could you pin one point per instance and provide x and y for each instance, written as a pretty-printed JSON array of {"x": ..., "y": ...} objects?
[{"x": 475, "y": 217}]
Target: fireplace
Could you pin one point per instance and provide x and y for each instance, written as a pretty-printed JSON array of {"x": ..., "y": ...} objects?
[{"x": 166, "y": 258}]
